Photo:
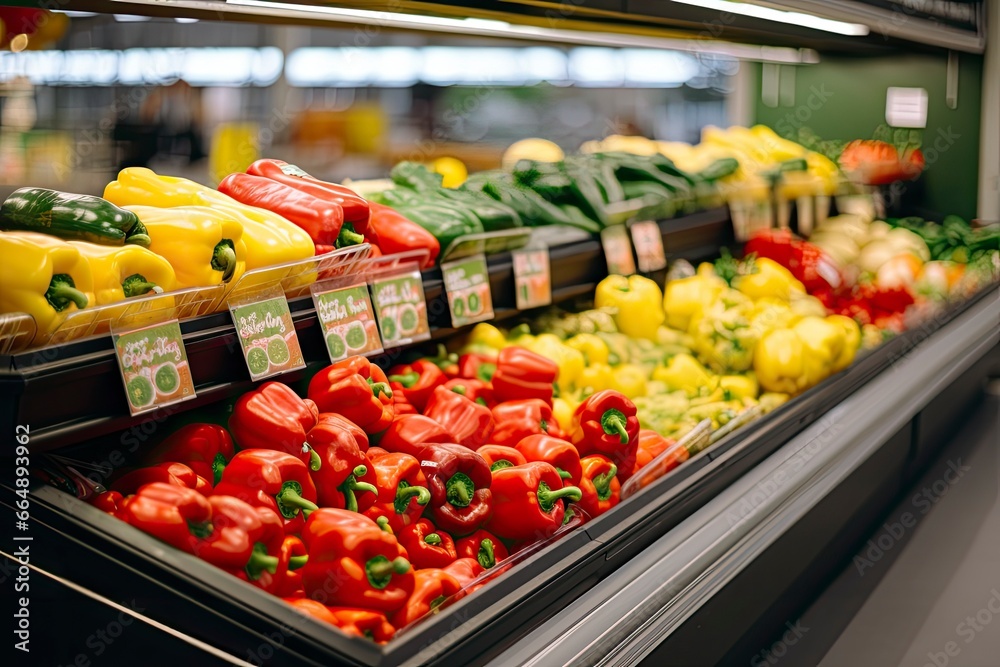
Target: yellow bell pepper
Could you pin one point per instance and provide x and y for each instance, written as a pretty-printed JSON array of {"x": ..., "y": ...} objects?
[
  {"x": 684, "y": 372},
  {"x": 684, "y": 298},
  {"x": 805, "y": 305},
  {"x": 595, "y": 377},
  {"x": 778, "y": 361},
  {"x": 630, "y": 380},
  {"x": 594, "y": 350},
  {"x": 636, "y": 301},
  {"x": 43, "y": 277},
  {"x": 270, "y": 239},
  {"x": 563, "y": 408},
  {"x": 723, "y": 337},
  {"x": 205, "y": 246},
  {"x": 769, "y": 313},
  {"x": 822, "y": 343},
  {"x": 770, "y": 280},
  {"x": 852, "y": 341},
  {"x": 485, "y": 335},
  {"x": 569, "y": 361},
  {"x": 120, "y": 272},
  {"x": 740, "y": 386}
]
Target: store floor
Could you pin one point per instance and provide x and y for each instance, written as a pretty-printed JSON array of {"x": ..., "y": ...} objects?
[{"x": 924, "y": 591}]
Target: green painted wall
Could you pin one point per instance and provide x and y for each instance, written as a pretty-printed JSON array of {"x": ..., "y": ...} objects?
[{"x": 844, "y": 98}]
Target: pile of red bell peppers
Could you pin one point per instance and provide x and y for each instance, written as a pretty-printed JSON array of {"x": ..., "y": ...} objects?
[{"x": 380, "y": 496}]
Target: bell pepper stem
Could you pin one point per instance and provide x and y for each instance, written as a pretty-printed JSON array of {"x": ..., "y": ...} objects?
[
  {"x": 224, "y": 259},
  {"x": 380, "y": 570},
  {"x": 485, "y": 555},
  {"x": 563, "y": 473},
  {"x": 380, "y": 388},
  {"x": 137, "y": 285},
  {"x": 432, "y": 539},
  {"x": 405, "y": 379},
  {"x": 459, "y": 389},
  {"x": 350, "y": 487},
  {"x": 348, "y": 237},
  {"x": 404, "y": 493},
  {"x": 547, "y": 497},
  {"x": 315, "y": 462},
  {"x": 383, "y": 523},
  {"x": 259, "y": 562},
  {"x": 290, "y": 500},
  {"x": 295, "y": 562},
  {"x": 602, "y": 482},
  {"x": 613, "y": 421},
  {"x": 218, "y": 465},
  {"x": 62, "y": 291},
  {"x": 460, "y": 489}
]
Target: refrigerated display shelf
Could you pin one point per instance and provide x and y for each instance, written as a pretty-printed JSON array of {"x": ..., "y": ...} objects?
[
  {"x": 71, "y": 393},
  {"x": 192, "y": 596}
]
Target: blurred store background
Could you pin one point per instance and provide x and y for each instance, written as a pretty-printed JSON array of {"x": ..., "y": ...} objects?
[{"x": 83, "y": 95}]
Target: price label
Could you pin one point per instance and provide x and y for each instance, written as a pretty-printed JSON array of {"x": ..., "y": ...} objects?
[
  {"x": 648, "y": 242},
  {"x": 401, "y": 308},
  {"x": 618, "y": 250},
  {"x": 154, "y": 366},
  {"x": 532, "y": 278},
  {"x": 467, "y": 283},
  {"x": 347, "y": 320},
  {"x": 267, "y": 336}
]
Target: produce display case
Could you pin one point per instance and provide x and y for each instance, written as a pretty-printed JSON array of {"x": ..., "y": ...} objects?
[{"x": 582, "y": 597}]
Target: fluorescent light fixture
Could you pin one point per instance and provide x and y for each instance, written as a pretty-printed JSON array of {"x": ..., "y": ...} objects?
[
  {"x": 502, "y": 29},
  {"x": 779, "y": 16},
  {"x": 73, "y": 14},
  {"x": 131, "y": 18},
  {"x": 181, "y": 19}
]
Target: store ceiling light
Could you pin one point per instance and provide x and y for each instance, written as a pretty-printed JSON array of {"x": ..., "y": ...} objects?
[{"x": 779, "y": 16}]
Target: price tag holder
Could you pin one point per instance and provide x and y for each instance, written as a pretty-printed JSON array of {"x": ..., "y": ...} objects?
[
  {"x": 532, "y": 278},
  {"x": 400, "y": 307},
  {"x": 347, "y": 319},
  {"x": 648, "y": 242},
  {"x": 467, "y": 283},
  {"x": 266, "y": 334},
  {"x": 154, "y": 366},
  {"x": 618, "y": 250}
]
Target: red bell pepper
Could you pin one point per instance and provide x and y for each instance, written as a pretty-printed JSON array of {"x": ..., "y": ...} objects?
[
  {"x": 402, "y": 490},
  {"x": 605, "y": 423},
  {"x": 205, "y": 448},
  {"x": 652, "y": 444},
  {"x": 459, "y": 482},
  {"x": 401, "y": 406},
  {"x": 808, "y": 263},
  {"x": 469, "y": 423},
  {"x": 501, "y": 456},
  {"x": 477, "y": 366},
  {"x": 345, "y": 479},
  {"x": 271, "y": 479},
  {"x": 272, "y": 416},
  {"x": 357, "y": 389},
  {"x": 397, "y": 233},
  {"x": 353, "y": 562},
  {"x": 409, "y": 434},
  {"x": 416, "y": 381},
  {"x": 109, "y": 502},
  {"x": 465, "y": 570},
  {"x": 476, "y": 391},
  {"x": 523, "y": 374},
  {"x": 527, "y": 501},
  {"x": 221, "y": 530},
  {"x": 516, "y": 420},
  {"x": 177, "y": 474},
  {"x": 599, "y": 487},
  {"x": 484, "y": 547},
  {"x": 355, "y": 208},
  {"x": 322, "y": 220},
  {"x": 427, "y": 546},
  {"x": 432, "y": 587},
  {"x": 355, "y": 622},
  {"x": 558, "y": 453}
]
